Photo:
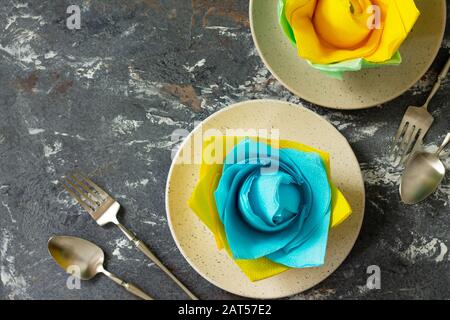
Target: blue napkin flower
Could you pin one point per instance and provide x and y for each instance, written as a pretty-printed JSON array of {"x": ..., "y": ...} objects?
[{"x": 275, "y": 203}]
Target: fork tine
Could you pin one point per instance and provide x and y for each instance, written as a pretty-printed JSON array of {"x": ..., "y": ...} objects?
[
  {"x": 408, "y": 142},
  {"x": 93, "y": 204},
  {"x": 412, "y": 146},
  {"x": 93, "y": 185},
  {"x": 397, "y": 142},
  {"x": 77, "y": 197},
  {"x": 95, "y": 196},
  {"x": 401, "y": 129}
]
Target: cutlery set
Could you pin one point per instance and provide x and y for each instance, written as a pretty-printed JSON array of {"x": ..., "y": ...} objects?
[
  {"x": 71, "y": 251},
  {"x": 423, "y": 171}
]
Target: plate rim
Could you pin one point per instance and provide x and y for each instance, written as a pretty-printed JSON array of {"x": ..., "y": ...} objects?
[
  {"x": 170, "y": 173},
  {"x": 365, "y": 106}
]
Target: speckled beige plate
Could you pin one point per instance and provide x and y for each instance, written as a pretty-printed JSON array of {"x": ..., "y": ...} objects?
[
  {"x": 197, "y": 243},
  {"x": 358, "y": 90}
]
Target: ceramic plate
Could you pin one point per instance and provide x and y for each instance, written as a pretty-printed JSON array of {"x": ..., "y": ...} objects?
[
  {"x": 197, "y": 243},
  {"x": 358, "y": 90}
]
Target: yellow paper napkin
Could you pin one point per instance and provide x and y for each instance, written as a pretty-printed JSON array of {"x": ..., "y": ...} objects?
[{"x": 331, "y": 31}]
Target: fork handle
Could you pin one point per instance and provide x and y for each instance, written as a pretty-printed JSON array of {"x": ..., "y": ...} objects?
[
  {"x": 437, "y": 85},
  {"x": 144, "y": 249}
]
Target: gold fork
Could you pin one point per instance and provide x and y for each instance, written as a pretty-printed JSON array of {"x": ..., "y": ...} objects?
[
  {"x": 414, "y": 126},
  {"x": 103, "y": 209}
]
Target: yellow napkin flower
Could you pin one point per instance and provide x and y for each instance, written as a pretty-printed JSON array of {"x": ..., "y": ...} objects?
[
  {"x": 203, "y": 204},
  {"x": 330, "y": 31}
]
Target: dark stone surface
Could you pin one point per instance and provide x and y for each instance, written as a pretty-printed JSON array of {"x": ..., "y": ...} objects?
[{"x": 106, "y": 98}]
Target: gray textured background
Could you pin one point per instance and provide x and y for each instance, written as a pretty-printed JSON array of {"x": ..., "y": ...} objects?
[{"x": 106, "y": 98}]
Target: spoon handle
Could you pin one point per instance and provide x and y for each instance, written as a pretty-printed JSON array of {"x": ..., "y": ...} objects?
[
  {"x": 444, "y": 144},
  {"x": 128, "y": 286}
]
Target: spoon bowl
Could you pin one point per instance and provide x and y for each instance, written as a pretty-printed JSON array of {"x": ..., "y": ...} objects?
[
  {"x": 71, "y": 251},
  {"x": 88, "y": 258},
  {"x": 423, "y": 174}
]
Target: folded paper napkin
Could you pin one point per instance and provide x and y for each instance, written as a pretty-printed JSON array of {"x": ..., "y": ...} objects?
[
  {"x": 337, "y": 70},
  {"x": 255, "y": 214},
  {"x": 336, "y": 36}
]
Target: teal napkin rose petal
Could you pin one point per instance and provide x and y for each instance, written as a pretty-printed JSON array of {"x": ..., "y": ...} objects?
[
  {"x": 279, "y": 214},
  {"x": 246, "y": 242},
  {"x": 311, "y": 253},
  {"x": 269, "y": 202},
  {"x": 312, "y": 170}
]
